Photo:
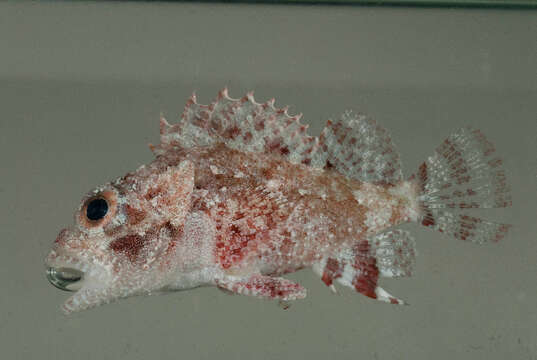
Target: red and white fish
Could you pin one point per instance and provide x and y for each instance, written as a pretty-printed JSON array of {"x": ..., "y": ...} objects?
[{"x": 239, "y": 195}]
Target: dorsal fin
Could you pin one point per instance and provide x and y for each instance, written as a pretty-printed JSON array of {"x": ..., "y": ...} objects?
[
  {"x": 242, "y": 124},
  {"x": 358, "y": 148},
  {"x": 355, "y": 146}
]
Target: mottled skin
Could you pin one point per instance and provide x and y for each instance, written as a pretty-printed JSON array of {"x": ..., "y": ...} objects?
[
  {"x": 284, "y": 216},
  {"x": 212, "y": 216}
]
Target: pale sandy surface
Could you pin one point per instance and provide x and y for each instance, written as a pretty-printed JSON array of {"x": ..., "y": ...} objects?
[{"x": 81, "y": 88}]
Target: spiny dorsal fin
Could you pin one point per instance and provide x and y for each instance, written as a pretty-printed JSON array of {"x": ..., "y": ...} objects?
[
  {"x": 242, "y": 124},
  {"x": 359, "y": 148}
]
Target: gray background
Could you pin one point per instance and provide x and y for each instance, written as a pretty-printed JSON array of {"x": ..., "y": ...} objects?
[{"x": 81, "y": 89}]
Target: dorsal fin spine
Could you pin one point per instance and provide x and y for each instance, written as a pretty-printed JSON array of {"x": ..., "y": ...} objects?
[
  {"x": 245, "y": 125},
  {"x": 164, "y": 125},
  {"x": 222, "y": 94}
]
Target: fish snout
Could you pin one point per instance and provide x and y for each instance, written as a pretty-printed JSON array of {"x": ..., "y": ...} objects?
[{"x": 62, "y": 237}]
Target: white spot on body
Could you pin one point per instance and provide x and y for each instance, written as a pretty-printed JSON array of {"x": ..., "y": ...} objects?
[
  {"x": 215, "y": 170},
  {"x": 408, "y": 192},
  {"x": 273, "y": 184},
  {"x": 378, "y": 219},
  {"x": 379, "y": 208},
  {"x": 197, "y": 244}
]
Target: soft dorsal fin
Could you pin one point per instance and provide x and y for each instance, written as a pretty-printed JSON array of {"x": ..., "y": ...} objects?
[
  {"x": 241, "y": 124},
  {"x": 358, "y": 148}
]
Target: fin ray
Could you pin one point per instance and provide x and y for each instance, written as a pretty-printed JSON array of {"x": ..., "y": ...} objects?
[
  {"x": 267, "y": 287},
  {"x": 388, "y": 254},
  {"x": 463, "y": 174}
]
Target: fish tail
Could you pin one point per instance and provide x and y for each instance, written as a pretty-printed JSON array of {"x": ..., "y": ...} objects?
[{"x": 463, "y": 173}]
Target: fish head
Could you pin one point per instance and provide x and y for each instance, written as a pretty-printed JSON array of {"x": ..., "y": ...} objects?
[{"x": 124, "y": 236}]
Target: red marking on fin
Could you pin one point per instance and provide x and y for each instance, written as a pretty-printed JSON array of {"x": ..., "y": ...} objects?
[
  {"x": 241, "y": 124},
  {"x": 428, "y": 217},
  {"x": 365, "y": 281},
  {"x": 462, "y": 175},
  {"x": 358, "y": 148},
  {"x": 332, "y": 270},
  {"x": 264, "y": 287}
]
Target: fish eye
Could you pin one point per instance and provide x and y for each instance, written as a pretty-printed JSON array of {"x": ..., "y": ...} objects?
[{"x": 96, "y": 209}]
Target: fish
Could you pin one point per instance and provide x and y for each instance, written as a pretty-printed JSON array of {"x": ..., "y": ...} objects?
[{"x": 239, "y": 194}]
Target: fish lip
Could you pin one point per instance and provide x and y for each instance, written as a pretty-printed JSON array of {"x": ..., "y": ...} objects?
[
  {"x": 95, "y": 280},
  {"x": 65, "y": 278},
  {"x": 67, "y": 273}
]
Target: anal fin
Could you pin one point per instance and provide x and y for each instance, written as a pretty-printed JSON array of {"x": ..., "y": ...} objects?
[
  {"x": 395, "y": 252},
  {"x": 388, "y": 254}
]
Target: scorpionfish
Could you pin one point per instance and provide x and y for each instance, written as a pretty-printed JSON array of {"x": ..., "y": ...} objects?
[{"x": 239, "y": 195}]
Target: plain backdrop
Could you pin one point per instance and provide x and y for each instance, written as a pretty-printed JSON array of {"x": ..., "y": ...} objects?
[{"x": 81, "y": 89}]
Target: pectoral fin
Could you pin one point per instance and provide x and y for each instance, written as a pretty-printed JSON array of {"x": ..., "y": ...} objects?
[{"x": 264, "y": 287}]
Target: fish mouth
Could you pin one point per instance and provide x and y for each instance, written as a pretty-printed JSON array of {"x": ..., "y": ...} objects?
[
  {"x": 65, "y": 278},
  {"x": 67, "y": 273},
  {"x": 89, "y": 281}
]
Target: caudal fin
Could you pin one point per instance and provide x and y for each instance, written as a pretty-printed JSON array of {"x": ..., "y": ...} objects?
[{"x": 463, "y": 173}]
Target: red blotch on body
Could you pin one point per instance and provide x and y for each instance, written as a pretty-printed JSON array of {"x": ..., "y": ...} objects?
[
  {"x": 129, "y": 245},
  {"x": 153, "y": 192},
  {"x": 60, "y": 239},
  {"x": 134, "y": 215},
  {"x": 236, "y": 238}
]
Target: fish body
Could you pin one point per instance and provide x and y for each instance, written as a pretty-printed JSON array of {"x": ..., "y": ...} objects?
[{"x": 239, "y": 195}]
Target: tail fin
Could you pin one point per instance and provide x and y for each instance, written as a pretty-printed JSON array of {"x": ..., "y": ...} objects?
[{"x": 463, "y": 174}]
